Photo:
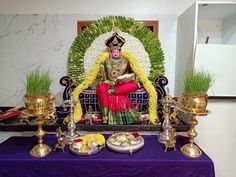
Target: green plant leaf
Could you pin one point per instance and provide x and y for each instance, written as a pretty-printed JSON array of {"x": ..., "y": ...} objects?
[
  {"x": 38, "y": 83},
  {"x": 198, "y": 82}
]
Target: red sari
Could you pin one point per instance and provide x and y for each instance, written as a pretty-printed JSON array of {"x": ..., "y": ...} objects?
[{"x": 116, "y": 107}]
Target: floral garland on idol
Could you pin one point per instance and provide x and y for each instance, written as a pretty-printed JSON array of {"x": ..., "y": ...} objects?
[{"x": 137, "y": 70}]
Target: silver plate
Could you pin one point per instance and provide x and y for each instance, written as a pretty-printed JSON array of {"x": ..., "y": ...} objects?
[
  {"x": 125, "y": 149},
  {"x": 77, "y": 152}
]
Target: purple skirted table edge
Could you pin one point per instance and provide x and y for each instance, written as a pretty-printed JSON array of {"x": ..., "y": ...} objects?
[{"x": 150, "y": 161}]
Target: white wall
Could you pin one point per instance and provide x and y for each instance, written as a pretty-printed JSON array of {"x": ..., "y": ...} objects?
[
  {"x": 184, "y": 47},
  {"x": 211, "y": 28},
  {"x": 94, "y": 6},
  {"x": 218, "y": 59},
  {"x": 221, "y": 29},
  {"x": 229, "y": 30}
]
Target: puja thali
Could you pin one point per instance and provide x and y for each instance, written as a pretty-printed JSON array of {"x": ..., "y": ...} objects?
[
  {"x": 125, "y": 142},
  {"x": 88, "y": 145},
  {"x": 77, "y": 151}
]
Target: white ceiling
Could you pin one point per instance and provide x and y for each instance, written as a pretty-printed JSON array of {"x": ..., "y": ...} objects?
[{"x": 218, "y": 11}]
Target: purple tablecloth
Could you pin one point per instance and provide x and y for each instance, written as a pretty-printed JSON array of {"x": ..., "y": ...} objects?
[{"x": 15, "y": 161}]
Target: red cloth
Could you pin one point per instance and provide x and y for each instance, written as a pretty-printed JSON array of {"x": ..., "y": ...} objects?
[{"x": 119, "y": 100}]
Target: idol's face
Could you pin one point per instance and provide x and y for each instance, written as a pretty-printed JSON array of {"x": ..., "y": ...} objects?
[{"x": 115, "y": 53}]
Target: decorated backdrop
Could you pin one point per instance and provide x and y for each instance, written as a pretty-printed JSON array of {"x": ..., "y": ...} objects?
[{"x": 87, "y": 46}]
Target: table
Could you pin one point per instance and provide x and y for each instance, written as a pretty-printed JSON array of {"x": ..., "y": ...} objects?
[{"x": 15, "y": 161}]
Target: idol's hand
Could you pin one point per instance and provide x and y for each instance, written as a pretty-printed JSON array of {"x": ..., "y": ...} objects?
[{"x": 111, "y": 91}]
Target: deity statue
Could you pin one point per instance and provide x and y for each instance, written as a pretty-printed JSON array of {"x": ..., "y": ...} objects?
[{"x": 117, "y": 81}]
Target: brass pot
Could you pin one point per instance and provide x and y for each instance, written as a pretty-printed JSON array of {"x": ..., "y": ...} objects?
[
  {"x": 37, "y": 105},
  {"x": 194, "y": 104}
]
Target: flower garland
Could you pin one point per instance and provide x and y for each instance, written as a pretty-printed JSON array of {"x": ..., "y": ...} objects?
[
  {"x": 147, "y": 85},
  {"x": 136, "y": 68},
  {"x": 132, "y": 44},
  {"x": 85, "y": 84}
]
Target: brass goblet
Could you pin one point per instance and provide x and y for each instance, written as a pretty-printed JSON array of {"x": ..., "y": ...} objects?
[{"x": 41, "y": 149}]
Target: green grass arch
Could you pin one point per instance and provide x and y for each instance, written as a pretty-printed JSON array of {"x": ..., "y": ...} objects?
[{"x": 107, "y": 24}]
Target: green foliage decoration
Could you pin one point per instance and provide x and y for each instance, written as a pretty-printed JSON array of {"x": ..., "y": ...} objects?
[
  {"x": 38, "y": 83},
  {"x": 198, "y": 82},
  {"x": 107, "y": 24}
]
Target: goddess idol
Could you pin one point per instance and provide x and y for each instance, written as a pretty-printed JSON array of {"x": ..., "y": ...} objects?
[{"x": 117, "y": 81}]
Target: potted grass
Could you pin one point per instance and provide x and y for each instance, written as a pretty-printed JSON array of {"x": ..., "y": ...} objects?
[
  {"x": 37, "y": 96},
  {"x": 196, "y": 85},
  {"x": 37, "y": 102}
]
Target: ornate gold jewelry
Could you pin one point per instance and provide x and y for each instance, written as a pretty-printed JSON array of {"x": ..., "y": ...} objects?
[{"x": 115, "y": 68}]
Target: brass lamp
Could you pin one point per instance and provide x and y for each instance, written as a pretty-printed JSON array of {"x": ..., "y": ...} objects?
[
  {"x": 41, "y": 149},
  {"x": 168, "y": 136},
  {"x": 71, "y": 134},
  {"x": 193, "y": 106},
  {"x": 194, "y": 103},
  {"x": 38, "y": 106}
]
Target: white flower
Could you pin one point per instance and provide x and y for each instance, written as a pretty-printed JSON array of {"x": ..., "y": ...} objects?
[{"x": 132, "y": 44}]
